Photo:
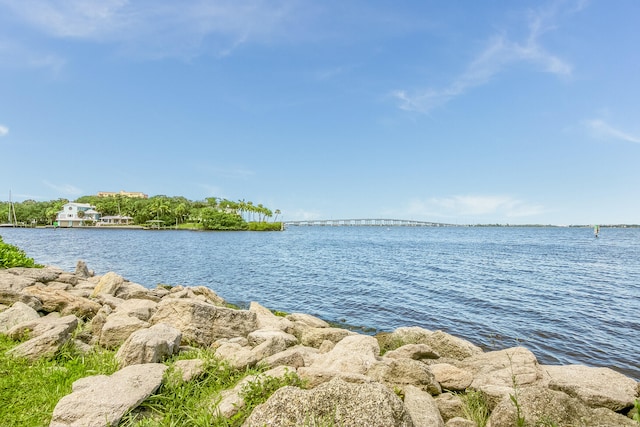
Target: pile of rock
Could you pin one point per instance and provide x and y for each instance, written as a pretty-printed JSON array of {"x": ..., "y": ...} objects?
[{"x": 349, "y": 382}]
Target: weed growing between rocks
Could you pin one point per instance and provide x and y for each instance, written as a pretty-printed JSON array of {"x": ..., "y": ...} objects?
[
  {"x": 186, "y": 403},
  {"x": 475, "y": 407},
  {"x": 30, "y": 390},
  {"x": 520, "y": 420},
  {"x": 193, "y": 403},
  {"x": 389, "y": 342},
  {"x": 256, "y": 392}
]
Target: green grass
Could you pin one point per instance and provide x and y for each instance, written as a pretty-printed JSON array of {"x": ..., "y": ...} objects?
[
  {"x": 29, "y": 391},
  {"x": 475, "y": 407},
  {"x": 388, "y": 342},
  {"x": 179, "y": 403}
]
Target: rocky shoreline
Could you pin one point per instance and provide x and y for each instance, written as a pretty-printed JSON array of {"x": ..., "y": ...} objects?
[{"x": 409, "y": 377}]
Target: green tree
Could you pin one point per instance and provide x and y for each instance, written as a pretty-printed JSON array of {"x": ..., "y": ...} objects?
[
  {"x": 213, "y": 219},
  {"x": 159, "y": 206}
]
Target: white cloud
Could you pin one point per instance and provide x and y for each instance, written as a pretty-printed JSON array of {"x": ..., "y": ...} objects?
[
  {"x": 3, "y": 130},
  {"x": 72, "y": 18},
  {"x": 499, "y": 53},
  {"x": 13, "y": 54},
  {"x": 474, "y": 206},
  {"x": 601, "y": 129},
  {"x": 66, "y": 189},
  {"x": 159, "y": 29}
]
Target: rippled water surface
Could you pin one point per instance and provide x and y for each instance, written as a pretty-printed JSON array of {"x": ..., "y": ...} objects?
[{"x": 567, "y": 296}]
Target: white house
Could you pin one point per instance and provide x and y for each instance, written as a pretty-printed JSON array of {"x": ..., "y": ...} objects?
[
  {"x": 77, "y": 215},
  {"x": 115, "y": 220}
]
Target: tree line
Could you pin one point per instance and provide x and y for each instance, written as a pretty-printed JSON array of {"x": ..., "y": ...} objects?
[{"x": 211, "y": 213}]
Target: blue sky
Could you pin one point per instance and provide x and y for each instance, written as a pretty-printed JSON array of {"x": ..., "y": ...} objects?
[{"x": 449, "y": 111}]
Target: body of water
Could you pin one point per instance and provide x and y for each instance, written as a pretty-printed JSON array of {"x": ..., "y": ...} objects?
[{"x": 565, "y": 295}]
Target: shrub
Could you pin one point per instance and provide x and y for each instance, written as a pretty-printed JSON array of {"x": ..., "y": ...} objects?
[
  {"x": 265, "y": 226},
  {"x": 12, "y": 256}
]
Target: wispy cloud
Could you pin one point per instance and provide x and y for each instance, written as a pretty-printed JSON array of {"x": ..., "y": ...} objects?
[
  {"x": 3, "y": 130},
  {"x": 601, "y": 129},
  {"x": 72, "y": 18},
  {"x": 499, "y": 53},
  {"x": 474, "y": 206},
  {"x": 66, "y": 189},
  {"x": 14, "y": 54},
  {"x": 159, "y": 29}
]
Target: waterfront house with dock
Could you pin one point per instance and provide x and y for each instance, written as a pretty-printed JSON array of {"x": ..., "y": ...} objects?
[{"x": 77, "y": 215}]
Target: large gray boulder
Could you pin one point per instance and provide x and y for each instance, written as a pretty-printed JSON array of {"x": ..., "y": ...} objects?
[
  {"x": 300, "y": 323},
  {"x": 422, "y": 407},
  {"x": 12, "y": 282},
  {"x": 150, "y": 345},
  {"x": 101, "y": 401},
  {"x": 597, "y": 387},
  {"x": 267, "y": 320},
  {"x": 236, "y": 355},
  {"x": 314, "y": 337},
  {"x": 451, "y": 377},
  {"x": 412, "y": 351},
  {"x": 303, "y": 319},
  {"x": 130, "y": 290},
  {"x": 334, "y": 403},
  {"x": 200, "y": 293},
  {"x": 441, "y": 343},
  {"x": 189, "y": 369},
  {"x": 542, "y": 406},
  {"x": 240, "y": 354},
  {"x": 118, "y": 327},
  {"x": 352, "y": 357},
  {"x": 108, "y": 284},
  {"x": 496, "y": 373},
  {"x": 450, "y": 406},
  {"x": 398, "y": 373},
  {"x": 297, "y": 356},
  {"x": 19, "y": 312},
  {"x": 449, "y": 346},
  {"x": 57, "y": 300},
  {"x": 42, "y": 275},
  {"x": 47, "y": 335},
  {"x": 261, "y": 335},
  {"x": 203, "y": 323},
  {"x": 230, "y": 401},
  {"x": 143, "y": 309},
  {"x": 11, "y": 296},
  {"x": 82, "y": 270}
]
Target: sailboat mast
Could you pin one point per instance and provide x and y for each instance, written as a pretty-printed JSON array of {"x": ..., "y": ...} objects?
[{"x": 12, "y": 209}]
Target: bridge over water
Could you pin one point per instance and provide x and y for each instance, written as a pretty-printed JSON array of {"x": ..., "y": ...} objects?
[{"x": 369, "y": 222}]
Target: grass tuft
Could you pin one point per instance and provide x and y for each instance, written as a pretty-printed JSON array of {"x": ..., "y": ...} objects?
[
  {"x": 475, "y": 407},
  {"x": 29, "y": 391}
]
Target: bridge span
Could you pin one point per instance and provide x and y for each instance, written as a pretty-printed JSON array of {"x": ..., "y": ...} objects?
[{"x": 368, "y": 222}]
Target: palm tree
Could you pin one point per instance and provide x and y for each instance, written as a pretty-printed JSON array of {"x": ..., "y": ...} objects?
[
  {"x": 181, "y": 211},
  {"x": 277, "y": 212},
  {"x": 159, "y": 206}
]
